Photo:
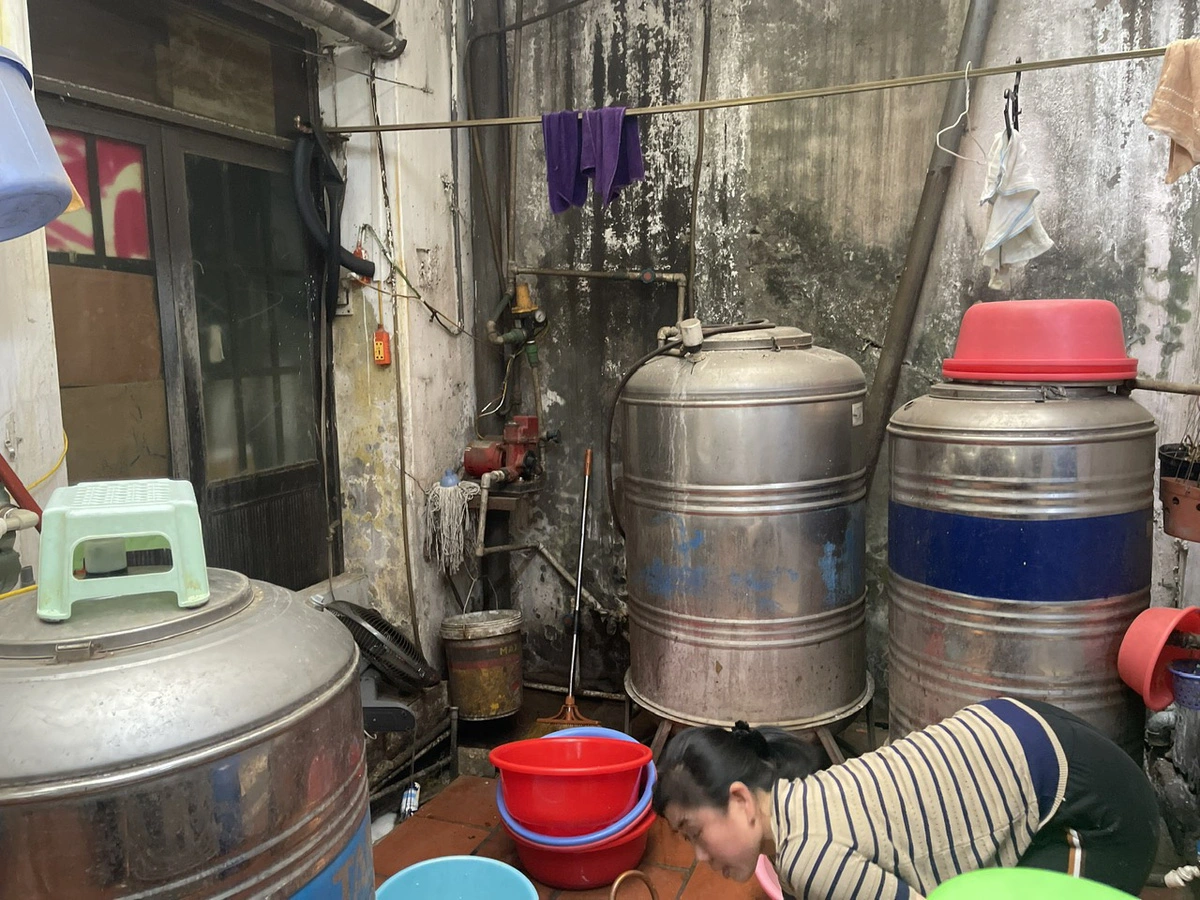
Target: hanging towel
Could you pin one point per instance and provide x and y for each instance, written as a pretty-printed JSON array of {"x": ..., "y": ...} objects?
[
  {"x": 1014, "y": 234},
  {"x": 611, "y": 151},
  {"x": 565, "y": 178},
  {"x": 1175, "y": 109}
]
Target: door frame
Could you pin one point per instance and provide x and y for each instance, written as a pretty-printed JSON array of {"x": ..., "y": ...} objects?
[
  {"x": 165, "y": 146},
  {"x": 231, "y": 492}
]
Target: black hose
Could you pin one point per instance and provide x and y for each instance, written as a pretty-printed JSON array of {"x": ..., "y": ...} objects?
[
  {"x": 302, "y": 157},
  {"x": 335, "y": 194},
  {"x": 710, "y": 331}
]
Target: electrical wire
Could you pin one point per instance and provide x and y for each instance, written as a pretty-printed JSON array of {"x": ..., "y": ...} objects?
[
  {"x": 19, "y": 591},
  {"x": 57, "y": 465},
  {"x": 666, "y": 347},
  {"x": 454, "y": 329},
  {"x": 497, "y": 400},
  {"x": 389, "y": 251}
]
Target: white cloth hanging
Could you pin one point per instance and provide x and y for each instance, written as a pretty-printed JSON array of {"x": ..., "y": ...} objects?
[{"x": 1014, "y": 233}]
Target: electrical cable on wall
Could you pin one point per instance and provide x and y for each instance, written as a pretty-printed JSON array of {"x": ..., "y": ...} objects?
[
  {"x": 57, "y": 465},
  {"x": 402, "y": 454},
  {"x": 454, "y": 329}
]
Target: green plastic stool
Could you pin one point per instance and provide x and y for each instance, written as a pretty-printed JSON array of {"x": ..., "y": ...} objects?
[
  {"x": 148, "y": 512},
  {"x": 1022, "y": 883}
]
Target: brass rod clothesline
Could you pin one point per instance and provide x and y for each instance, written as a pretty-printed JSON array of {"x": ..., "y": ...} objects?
[{"x": 805, "y": 94}]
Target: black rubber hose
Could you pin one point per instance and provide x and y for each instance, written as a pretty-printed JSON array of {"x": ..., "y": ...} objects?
[
  {"x": 667, "y": 347},
  {"x": 335, "y": 195},
  {"x": 301, "y": 170}
]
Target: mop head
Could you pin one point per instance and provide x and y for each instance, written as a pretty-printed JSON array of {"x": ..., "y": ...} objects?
[{"x": 448, "y": 532}]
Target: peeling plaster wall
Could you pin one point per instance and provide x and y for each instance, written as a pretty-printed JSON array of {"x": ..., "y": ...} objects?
[
  {"x": 428, "y": 392},
  {"x": 805, "y": 213},
  {"x": 31, "y": 434}
]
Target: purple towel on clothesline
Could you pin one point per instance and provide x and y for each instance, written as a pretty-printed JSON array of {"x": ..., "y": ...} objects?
[
  {"x": 566, "y": 181},
  {"x": 604, "y": 145},
  {"x": 611, "y": 151}
]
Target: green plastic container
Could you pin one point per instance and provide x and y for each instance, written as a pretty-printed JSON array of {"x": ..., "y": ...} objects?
[{"x": 1023, "y": 884}]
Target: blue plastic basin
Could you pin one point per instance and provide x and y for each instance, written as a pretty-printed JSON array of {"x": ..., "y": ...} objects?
[
  {"x": 458, "y": 878},
  {"x": 34, "y": 188}
]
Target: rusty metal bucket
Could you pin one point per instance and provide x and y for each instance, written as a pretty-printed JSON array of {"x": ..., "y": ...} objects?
[{"x": 483, "y": 655}]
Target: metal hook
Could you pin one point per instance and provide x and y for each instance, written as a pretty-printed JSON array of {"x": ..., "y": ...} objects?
[{"x": 1012, "y": 103}]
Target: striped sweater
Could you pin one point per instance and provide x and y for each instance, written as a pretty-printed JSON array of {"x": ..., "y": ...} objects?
[{"x": 964, "y": 794}]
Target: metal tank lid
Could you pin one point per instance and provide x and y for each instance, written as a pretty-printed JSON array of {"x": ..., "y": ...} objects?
[
  {"x": 780, "y": 337},
  {"x": 485, "y": 624},
  {"x": 99, "y": 627},
  {"x": 131, "y": 681}
]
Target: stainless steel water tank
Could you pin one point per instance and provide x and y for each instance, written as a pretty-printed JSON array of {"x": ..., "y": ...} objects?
[
  {"x": 742, "y": 498},
  {"x": 1019, "y": 544},
  {"x": 152, "y": 751}
]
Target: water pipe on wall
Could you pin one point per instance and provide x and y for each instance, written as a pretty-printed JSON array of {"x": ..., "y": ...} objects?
[{"x": 644, "y": 276}]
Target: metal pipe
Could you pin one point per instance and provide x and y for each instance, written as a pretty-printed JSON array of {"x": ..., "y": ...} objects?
[
  {"x": 971, "y": 46},
  {"x": 507, "y": 548},
  {"x": 337, "y": 18},
  {"x": 858, "y": 87},
  {"x": 1166, "y": 387},
  {"x": 418, "y": 776},
  {"x": 559, "y": 689},
  {"x": 698, "y": 165},
  {"x": 587, "y": 482},
  {"x": 443, "y": 728},
  {"x": 535, "y": 380},
  {"x": 646, "y": 276},
  {"x": 513, "y": 105},
  {"x": 570, "y": 579},
  {"x": 20, "y": 495},
  {"x": 16, "y": 519},
  {"x": 454, "y": 741},
  {"x": 485, "y": 485}
]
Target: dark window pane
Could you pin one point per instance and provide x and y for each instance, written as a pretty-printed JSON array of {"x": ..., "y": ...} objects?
[
  {"x": 263, "y": 416},
  {"x": 206, "y": 185},
  {"x": 253, "y": 306}
]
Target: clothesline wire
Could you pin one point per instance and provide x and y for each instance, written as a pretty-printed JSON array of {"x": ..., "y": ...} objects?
[{"x": 785, "y": 96}]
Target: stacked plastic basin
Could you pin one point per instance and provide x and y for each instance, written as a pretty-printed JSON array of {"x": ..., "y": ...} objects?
[{"x": 577, "y": 804}]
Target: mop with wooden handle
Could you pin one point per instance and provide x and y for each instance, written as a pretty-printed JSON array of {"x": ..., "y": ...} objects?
[{"x": 569, "y": 715}]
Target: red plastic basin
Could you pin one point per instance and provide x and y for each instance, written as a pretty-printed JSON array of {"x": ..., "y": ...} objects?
[
  {"x": 569, "y": 786},
  {"x": 1145, "y": 655},
  {"x": 1041, "y": 340},
  {"x": 579, "y": 868}
]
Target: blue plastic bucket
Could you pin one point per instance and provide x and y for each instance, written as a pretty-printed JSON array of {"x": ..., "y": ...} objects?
[
  {"x": 34, "y": 188},
  {"x": 1185, "y": 679},
  {"x": 458, "y": 878}
]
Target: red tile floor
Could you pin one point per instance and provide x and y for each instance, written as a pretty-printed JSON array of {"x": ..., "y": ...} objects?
[{"x": 463, "y": 819}]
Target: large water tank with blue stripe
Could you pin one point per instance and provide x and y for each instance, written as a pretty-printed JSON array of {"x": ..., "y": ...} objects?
[{"x": 1020, "y": 520}]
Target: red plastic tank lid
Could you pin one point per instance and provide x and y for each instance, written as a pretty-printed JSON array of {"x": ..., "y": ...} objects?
[{"x": 1041, "y": 340}]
